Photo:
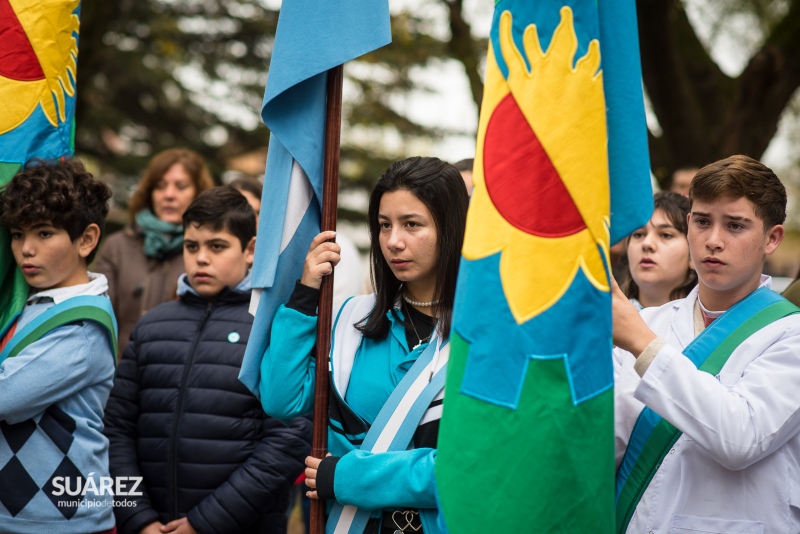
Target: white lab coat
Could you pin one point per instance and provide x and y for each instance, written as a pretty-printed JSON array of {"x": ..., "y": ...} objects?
[{"x": 736, "y": 468}]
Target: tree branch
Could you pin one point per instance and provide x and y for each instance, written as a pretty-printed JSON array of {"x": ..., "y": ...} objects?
[
  {"x": 764, "y": 89},
  {"x": 687, "y": 89},
  {"x": 465, "y": 49}
]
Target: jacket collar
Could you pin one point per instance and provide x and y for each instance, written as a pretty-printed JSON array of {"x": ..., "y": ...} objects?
[{"x": 236, "y": 294}]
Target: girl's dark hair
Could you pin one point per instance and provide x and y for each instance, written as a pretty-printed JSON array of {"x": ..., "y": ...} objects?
[
  {"x": 60, "y": 192},
  {"x": 676, "y": 208},
  {"x": 162, "y": 162},
  {"x": 439, "y": 186}
]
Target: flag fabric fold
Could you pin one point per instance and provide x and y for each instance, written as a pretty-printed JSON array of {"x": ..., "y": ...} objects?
[
  {"x": 561, "y": 171},
  {"x": 313, "y": 36},
  {"x": 38, "y": 60}
]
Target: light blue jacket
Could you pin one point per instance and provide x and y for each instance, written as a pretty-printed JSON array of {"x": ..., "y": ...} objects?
[
  {"x": 52, "y": 396},
  {"x": 388, "y": 480}
]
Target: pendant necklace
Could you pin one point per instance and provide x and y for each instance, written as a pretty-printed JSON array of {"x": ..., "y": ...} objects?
[{"x": 421, "y": 341}]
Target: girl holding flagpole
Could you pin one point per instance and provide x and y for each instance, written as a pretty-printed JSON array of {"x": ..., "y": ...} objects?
[{"x": 388, "y": 354}]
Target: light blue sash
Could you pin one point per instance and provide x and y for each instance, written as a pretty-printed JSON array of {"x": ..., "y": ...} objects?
[{"x": 392, "y": 431}]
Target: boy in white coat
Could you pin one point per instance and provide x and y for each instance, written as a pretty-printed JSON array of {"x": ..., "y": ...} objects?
[{"x": 708, "y": 387}]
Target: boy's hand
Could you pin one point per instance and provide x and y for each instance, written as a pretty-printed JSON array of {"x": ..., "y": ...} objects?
[
  {"x": 153, "y": 528},
  {"x": 312, "y": 464},
  {"x": 322, "y": 257},
  {"x": 179, "y": 526},
  {"x": 630, "y": 331}
]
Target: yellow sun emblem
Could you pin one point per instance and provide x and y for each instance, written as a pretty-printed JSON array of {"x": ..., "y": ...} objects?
[
  {"x": 39, "y": 59},
  {"x": 541, "y": 194}
]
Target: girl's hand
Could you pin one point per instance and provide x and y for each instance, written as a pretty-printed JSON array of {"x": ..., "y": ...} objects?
[
  {"x": 312, "y": 465},
  {"x": 322, "y": 257}
]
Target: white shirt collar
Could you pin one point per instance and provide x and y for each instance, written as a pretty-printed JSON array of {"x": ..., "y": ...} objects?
[
  {"x": 764, "y": 281},
  {"x": 97, "y": 285}
]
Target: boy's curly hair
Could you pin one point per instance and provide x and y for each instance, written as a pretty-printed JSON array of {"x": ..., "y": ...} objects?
[{"x": 61, "y": 192}]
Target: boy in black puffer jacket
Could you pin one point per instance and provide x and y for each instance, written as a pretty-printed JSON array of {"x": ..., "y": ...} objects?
[{"x": 209, "y": 458}]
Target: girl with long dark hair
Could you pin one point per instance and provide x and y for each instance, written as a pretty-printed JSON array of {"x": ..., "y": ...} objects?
[{"x": 387, "y": 356}]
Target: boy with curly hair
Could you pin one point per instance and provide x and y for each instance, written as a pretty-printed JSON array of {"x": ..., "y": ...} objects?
[{"x": 57, "y": 357}]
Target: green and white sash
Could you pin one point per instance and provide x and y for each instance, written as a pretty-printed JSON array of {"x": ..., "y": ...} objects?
[
  {"x": 82, "y": 308},
  {"x": 652, "y": 436}
]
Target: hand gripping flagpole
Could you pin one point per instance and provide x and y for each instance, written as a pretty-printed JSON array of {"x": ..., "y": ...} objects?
[{"x": 330, "y": 188}]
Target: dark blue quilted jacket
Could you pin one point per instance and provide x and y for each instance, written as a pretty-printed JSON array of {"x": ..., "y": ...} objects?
[{"x": 179, "y": 417}]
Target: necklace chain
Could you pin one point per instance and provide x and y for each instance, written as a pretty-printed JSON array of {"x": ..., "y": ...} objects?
[
  {"x": 419, "y": 304},
  {"x": 420, "y": 341}
]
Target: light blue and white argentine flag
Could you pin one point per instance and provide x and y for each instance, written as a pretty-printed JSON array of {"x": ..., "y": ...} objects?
[{"x": 313, "y": 36}]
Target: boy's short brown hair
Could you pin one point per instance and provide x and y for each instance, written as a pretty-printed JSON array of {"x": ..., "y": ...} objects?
[
  {"x": 741, "y": 176},
  {"x": 61, "y": 192}
]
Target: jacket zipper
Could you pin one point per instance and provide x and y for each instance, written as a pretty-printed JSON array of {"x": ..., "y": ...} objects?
[{"x": 173, "y": 444}]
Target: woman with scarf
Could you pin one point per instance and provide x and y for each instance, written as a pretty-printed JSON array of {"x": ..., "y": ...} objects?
[{"x": 144, "y": 260}]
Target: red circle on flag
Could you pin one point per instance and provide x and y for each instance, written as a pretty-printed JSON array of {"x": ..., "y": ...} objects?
[
  {"x": 18, "y": 61},
  {"x": 521, "y": 180}
]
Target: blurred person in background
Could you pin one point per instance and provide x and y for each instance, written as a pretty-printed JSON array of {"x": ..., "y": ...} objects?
[
  {"x": 682, "y": 180},
  {"x": 251, "y": 189},
  {"x": 144, "y": 260},
  {"x": 657, "y": 265},
  {"x": 792, "y": 292},
  {"x": 465, "y": 168}
]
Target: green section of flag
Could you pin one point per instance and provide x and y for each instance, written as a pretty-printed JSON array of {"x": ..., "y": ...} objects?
[
  {"x": 557, "y": 472},
  {"x": 13, "y": 289}
]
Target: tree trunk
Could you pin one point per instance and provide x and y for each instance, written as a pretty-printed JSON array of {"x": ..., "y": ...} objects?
[
  {"x": 465, "y": 48},
  {"x": 704, "y": 114}
]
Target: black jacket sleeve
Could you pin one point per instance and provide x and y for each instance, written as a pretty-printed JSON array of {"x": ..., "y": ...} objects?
[
  {"x": 325, "y": 474},
  {"x": 269, "y": 472},
  {"x": 304, "y": 299},
  {"x": 121, "y": 414}
]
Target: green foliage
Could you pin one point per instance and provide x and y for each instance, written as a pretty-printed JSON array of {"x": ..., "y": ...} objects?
[
  {"x": 146, "y": 69},
  {"x": 155, "y": 74}
]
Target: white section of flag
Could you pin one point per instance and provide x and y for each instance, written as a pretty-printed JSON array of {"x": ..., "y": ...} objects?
[{"x": 300, "y": 196}]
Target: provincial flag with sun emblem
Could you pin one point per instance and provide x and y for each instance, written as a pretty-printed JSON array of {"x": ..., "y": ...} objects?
[
  {"x": 561, "y": 171},
  {"x": 38, "y": 59}
]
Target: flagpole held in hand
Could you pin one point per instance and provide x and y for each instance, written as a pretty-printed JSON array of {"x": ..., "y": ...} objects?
[{"x": 333, "y": 121}]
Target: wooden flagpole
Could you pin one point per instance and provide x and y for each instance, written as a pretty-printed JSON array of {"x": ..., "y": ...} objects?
[{"x": 330, "y": 187}]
